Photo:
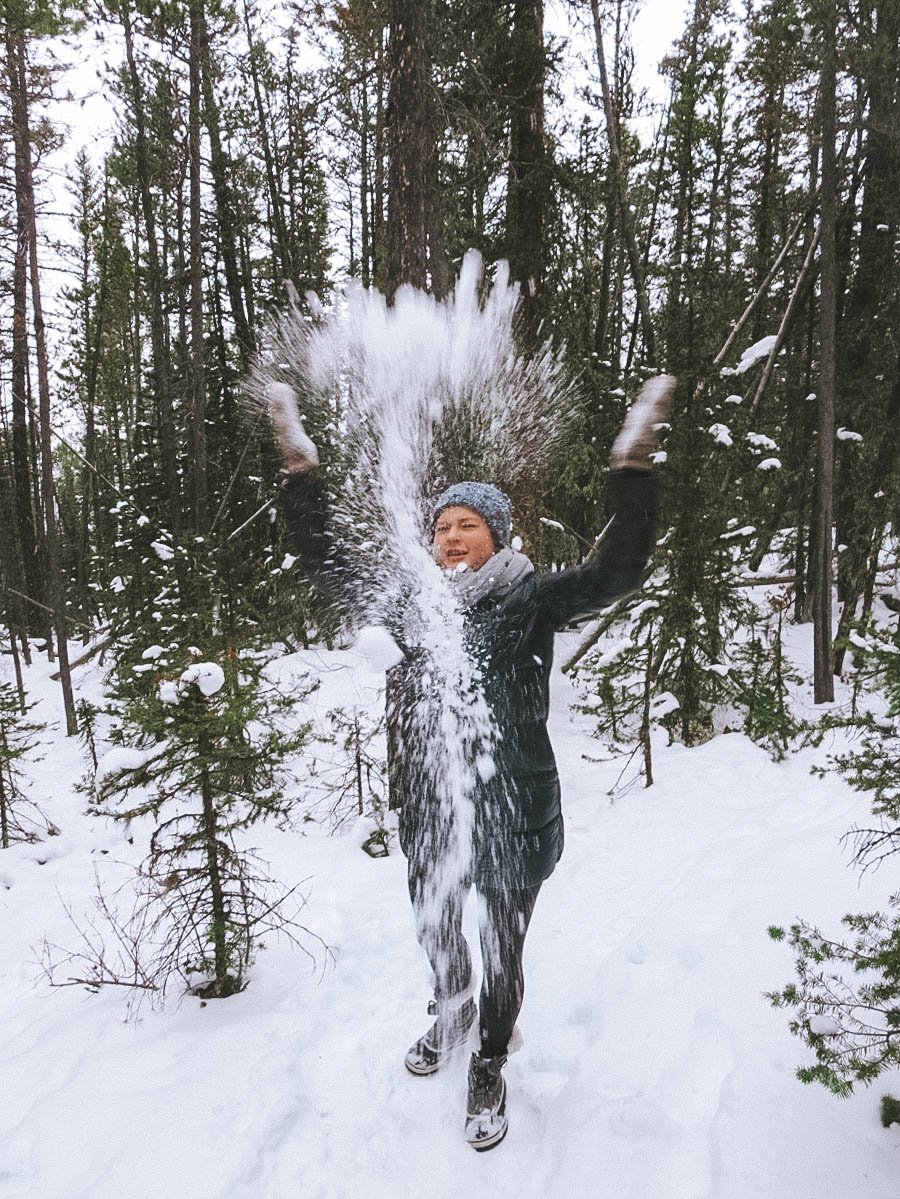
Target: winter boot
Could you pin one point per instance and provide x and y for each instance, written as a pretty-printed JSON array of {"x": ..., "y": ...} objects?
[
  {"x": 486, "y": 1121},
  {"x": 450, "y": 1029}
]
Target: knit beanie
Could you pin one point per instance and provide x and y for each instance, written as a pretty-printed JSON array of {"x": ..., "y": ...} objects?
[{"x": 485, "y": 499}]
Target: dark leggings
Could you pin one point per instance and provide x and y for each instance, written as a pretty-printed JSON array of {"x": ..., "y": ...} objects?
[{"x": 503, "y": 919}]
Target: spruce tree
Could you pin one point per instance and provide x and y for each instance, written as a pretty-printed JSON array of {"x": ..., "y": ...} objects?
[
  {"x": 20, "y": 817},
  {"x": 845, "y": 1002},
  {"x": 208, "y": 744}
]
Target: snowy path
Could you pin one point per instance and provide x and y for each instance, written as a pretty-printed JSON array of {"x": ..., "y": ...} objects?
[{"x": 652, "y": 1065}]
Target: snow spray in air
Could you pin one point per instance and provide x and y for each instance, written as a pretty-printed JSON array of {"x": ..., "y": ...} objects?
[{"x": 403, "y": 401}]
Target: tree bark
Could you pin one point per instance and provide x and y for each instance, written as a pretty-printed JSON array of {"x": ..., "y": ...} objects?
[
  {"x": 167, "y": 435},
  {"x": 210, "y": 835},
  {"x": 528, "y": 182},
  {"x": 415, "y": 245},
  {"x": 283, "y": 265},
  {"x": 615, "y": 164},
  {"x": 24, "y": 468},
  {"x": 197, "y": 476},
  {"x": 226, "y": 220},
  {"x": 866, "y": 359},
  {"x": 27, "y": 221},
  {"x": 823, "y": 676}
]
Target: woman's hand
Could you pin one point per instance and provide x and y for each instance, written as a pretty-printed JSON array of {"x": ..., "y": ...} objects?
[
  {"x": 299, "y": 451},
  {"x": 638, "y": 437}
]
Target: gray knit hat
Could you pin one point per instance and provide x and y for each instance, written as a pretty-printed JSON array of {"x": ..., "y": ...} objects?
[{"x": 485, "y": 499}]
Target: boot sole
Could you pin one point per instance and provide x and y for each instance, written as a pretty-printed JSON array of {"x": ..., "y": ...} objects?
[
  {"x": 490, "y": 1143},
  {"x": 422, "y": 1071},
  {"x": 446, "y": 1055},
  {"x": 480, "y": 1144}
]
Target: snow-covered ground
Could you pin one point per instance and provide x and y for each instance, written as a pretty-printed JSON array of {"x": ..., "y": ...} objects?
[{"x": 652, "y": 1064}]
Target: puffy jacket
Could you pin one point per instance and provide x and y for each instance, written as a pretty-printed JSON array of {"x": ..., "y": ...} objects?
[{"x": 518, "y": 830}]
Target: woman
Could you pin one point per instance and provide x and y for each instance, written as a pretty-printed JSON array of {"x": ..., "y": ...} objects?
[{"x": 510, "y": 615}]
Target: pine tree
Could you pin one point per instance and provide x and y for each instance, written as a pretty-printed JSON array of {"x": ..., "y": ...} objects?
[
  {"x": 846, "y": 1000},
  {"x": 20, "y": 817},
  {"x": 211, "y": 742}
]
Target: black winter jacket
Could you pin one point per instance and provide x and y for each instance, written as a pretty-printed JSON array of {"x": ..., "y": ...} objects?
[{"x": 518, "y": 819}]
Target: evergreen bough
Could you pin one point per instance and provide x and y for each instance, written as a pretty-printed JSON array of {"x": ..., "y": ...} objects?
[
  {"x": 846, "y": 1000},
  {"x": 20, "y": 818}
]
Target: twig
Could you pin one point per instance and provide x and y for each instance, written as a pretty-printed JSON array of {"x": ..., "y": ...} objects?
[
  {"x": 37, "y": 604},
  {"x": 251, "y": 519}
]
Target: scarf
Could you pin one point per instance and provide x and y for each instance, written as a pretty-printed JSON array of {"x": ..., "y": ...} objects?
[{"x": 499, "y": 575}]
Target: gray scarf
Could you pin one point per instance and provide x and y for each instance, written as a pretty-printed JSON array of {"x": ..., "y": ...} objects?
[{"x": 499, "y": 575}]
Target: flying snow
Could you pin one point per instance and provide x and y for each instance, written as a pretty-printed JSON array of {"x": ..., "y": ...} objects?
[
  {"x": 378, "y": 647},
  {"x": 402, "y": 401}
]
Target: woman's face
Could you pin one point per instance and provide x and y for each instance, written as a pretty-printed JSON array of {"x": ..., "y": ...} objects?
[{"x": 461, "y": 535}]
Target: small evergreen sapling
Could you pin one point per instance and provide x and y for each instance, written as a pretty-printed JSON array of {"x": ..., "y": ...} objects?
[
  {"x": 355, "y": 781},
  {"x": 760, "y": 678},
  {"x": 846, "y": 1000},
  {"x": 20, "y": 817},
  {"x": 617, "y": 684},
  {"x": 890, "y": 1110},
  {"x": 631, "y": 684},
  {"x": 207, "y": 746}
]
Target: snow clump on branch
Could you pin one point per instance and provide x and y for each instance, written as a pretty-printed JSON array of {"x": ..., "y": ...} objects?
[{"x": 209, "y": 678}]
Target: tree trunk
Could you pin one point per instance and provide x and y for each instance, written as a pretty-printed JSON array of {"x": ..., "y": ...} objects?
[
  {"x": 283, "y": 266},
  {"x": 615, "y": 165},
  {"x": 823, "y": 676},
  {"x": 528, "y": 186},
  {"x": 198, "y": 366},
  {"x": 415, "y": 241},
  {"x": 226, "y": 220},
  {"x": 4, "y": 806},
  {"x": 218, "y": 928},
  {"x": 867, "y": 382},
  {"x": 26, "y": 208},
  {"x": 24, "y": 470},
  {"x": 167, "y": 435}
]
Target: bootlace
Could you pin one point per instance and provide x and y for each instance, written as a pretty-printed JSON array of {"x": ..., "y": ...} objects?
[{"x": 484, "y": 1082}]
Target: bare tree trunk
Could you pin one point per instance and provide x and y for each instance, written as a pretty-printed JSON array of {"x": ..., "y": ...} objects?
[
  {"x": 823, "y": 676},
  {"x": 11, "y": 576},
  {"x": 226, "y": 219},
  {"x": 26, "y": 513},
  {"x": 167, "y": 437},
  {"x": 870, "y": 401},
  {"x": 198, "y": 367},
  {"x": 283, "y": 265},
  {"x": 415, "y": 241},
  {"x": 615, "y": 163},
  {"x": 28, "y": 221},
  {"x": 365, "y": 257},
  {"x": 644, "y": 736},
  {"x": 379, "y": 253},
  {"x": 801, "y": 286},
  {"x": 529, "y": 186},
  {"x": 94, "y": 325},
  {"x": 4, "y": 805}
]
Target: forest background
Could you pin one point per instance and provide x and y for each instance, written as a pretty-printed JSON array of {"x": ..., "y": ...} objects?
[{"x": 740, "y": 234}]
